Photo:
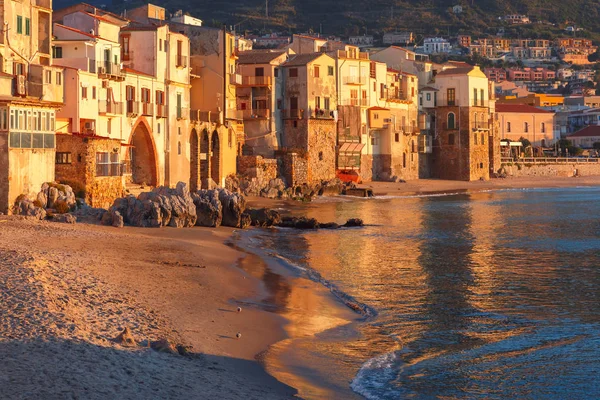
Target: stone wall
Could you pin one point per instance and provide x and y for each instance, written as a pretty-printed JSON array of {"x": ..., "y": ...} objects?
[
  {"x": 295, "y": 169},
  {"x": 366, "y": 168},
  {"x": 535, "y": 170},
  {"x": 264, "y": 169},
  {"x": 322, "y": 139},
  {"x": 100, "y": 191}
]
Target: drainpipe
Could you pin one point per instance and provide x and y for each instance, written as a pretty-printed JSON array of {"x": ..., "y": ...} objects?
[{"x": 225, "y": 72}]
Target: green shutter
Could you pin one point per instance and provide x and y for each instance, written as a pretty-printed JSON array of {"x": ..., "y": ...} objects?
[
  {"x": 19, "y": 24},
  {"x": 27, "y": 26}
]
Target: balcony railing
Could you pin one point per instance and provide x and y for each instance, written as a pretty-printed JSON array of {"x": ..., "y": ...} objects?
[
  {"x": 394, "y": 95},
  {"x": 256, "y": 114},
  {"x": 110, "y": 107},
  {"x": 181, "y": 61},
  {"x": 354, "y": 102},
  {"x": 480, "y": 126},
  {"x": 161, "y": 111},
  {"x": 183, "y": 113},
  {"x": 234, "y": 114},
  {"x": 293, "y": 114},
  {"x": 147, "y": 109},
  {"x": 108, "y": 69},
  {"x": 235, "y": 79},
  {"x": 354, "y": 55},
  {"x": 205, "y": 116},
  {"x": 355, "y": 80},
  {"x": 322, "y": 114},
  {"x": 133, "y": 108},
  {"x": 409, "y": 129},
  {"x": 256, "y": 81}
]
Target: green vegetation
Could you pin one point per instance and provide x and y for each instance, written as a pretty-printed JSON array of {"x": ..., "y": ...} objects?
[{"x": 424, "y": 17}]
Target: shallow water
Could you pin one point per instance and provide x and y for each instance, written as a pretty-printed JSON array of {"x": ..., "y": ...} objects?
[{"x": 486, "y": 295}]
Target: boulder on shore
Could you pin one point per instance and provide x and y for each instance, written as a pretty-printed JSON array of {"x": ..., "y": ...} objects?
[{"x": 264, "y": 217}]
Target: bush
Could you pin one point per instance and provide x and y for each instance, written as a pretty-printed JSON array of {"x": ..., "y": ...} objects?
[{"x": 61, "y": 207}]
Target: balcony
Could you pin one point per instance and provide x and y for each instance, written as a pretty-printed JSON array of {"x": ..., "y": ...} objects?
[
  {"x": 256, "y": 81},
  {"x": 205, "y": 116},
  {"x": 293, "y": 114},
  {"x": 44, "y": 4},
  {"x": 355, "y": 55},
  {"x": 45, "y": 83},
  {"x": 147, "y": 109},
  {"x": 395, "y": 95},
  {"x": 127, "y": 56},
  {"x": 409, "y": 129},
  {"x": 322, "y": 114},
  {"x": 109, "y": 70},
  {"x": 355, "y": 80},
  {"x": 234, "y": 114},
  {"x": 354, "y": 102},
  {"x": 133, "y": 108},
  {"x": 161, "y": 111},
  {"x": 183, "y": 113},
  {"x": 256, "y": 114},
  {"x": 235, "y": 79},
  {"x": 480, "y": 126},
  {"x": 181, "y": 61},
  {"x": 110, "y": 107}
]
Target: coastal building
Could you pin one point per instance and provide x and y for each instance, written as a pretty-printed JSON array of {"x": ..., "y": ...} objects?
[
  {"x": 523, "y": 121},
  {"x": 31, "y": 94},
  {"x": 586, "y": 138},
  {"x": 464, "y": 146},
  {"x": 401, "y": 59},
  {"x": 464, "y": 41},
  {"x": 536, "y": 100},
  {"x": 362, "y": 41},
  {"x": 309, "y": 118},
  {"x": 398, "y": 38},
  {"x": 495, "y": 74},
  {"x": 259, "y": 98},
  {"x": 436, "y": 45},
  {"x": 517, "y": 19},
  {"x": 182, "y": 18},
  {"x": 303, "y": 44},
  {"x": 272, "y": 41}
]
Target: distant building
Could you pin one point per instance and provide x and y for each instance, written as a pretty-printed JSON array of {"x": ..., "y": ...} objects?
[
  {"x": 180, "y": 17},
  {"x": 525, "y": 121},
  {"x": 586, "y": 137},
  {"x": 517, "y": 19},
  {"x": 495, "y": 74},
  {"x": 401, "y": 38},
  {"x": 436, "y": 46},
  {"x": 362, "y": 41},
  {"x": 464, "y": 41},
  {"x": 272, "y": 41},
  {"x": 457, "y": 9}
]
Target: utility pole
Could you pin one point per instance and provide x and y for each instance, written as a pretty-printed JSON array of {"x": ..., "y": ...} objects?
[{"x": 267, "y": 8}]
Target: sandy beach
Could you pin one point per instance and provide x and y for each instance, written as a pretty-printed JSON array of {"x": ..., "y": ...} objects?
[{"x": 66, "y": 291}]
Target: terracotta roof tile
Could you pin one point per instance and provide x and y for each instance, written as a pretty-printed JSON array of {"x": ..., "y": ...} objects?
[{"x": 520, "y": 108}]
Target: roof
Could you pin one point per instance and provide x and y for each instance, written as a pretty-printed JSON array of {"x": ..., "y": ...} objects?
[
  {"x": 135, "y": 71},
  {"x": 397, "y": 71},
  {"x": 588, "y": 131},
  {"x": 455, "y": 71},
  {"x": 258, "y": 57},
  {"x": 310, "y": 37},
  {"x": 520, "y": 108},
  {"x": 429, "y": 89},
  {"x": 299, "y": 60},
  {"x": 77, "y": 31},
  {"x": 378, "y": 109}
]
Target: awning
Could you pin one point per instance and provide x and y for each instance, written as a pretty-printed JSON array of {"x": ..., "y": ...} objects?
[{"x": 351, "y": 147}]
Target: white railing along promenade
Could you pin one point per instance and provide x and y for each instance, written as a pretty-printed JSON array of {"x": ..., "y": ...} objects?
[{"x": 551, "y": 160}]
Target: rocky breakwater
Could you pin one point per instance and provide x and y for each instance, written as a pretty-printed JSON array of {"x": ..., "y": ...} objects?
[
  {"x": 264, "y": 217},
  {"x": 179, "y": 208},
  {"x": 53, "y": 202},
  {"x": 278, "y": 189}
]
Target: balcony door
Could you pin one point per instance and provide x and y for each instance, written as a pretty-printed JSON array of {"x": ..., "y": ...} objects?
[{"x": 107, "y": 60}]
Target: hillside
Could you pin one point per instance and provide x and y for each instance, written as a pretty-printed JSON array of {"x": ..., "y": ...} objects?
[{"x": 376, "y": 16}]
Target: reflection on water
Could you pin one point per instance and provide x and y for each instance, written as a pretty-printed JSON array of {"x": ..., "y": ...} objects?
[{"x": 489, "y": 295}]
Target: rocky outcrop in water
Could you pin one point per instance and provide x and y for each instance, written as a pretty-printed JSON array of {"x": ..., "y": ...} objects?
[
  {"x": 263, "y": 217},
  {"x": 311, "y": 223}
]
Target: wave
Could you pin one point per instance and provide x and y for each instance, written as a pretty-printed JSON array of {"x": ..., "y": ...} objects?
[{"x": 372, "y": 379}]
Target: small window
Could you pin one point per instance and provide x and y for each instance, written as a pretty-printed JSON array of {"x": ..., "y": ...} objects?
[
  {"x": 48, "y": 76},
  {"x": 19, "y": 25},
  {"x": 179, "y": 148},
  {"x": 57, "y": 52},
  {"x": 543, "y": 127},
  {"x": 179, "y": 130},
  {"x": 475, "y": 138},
  {"x": 451, "y": 121},
  {"x": 483, "y": 138},
  {"x": 428, "y": 96},
  {"x": 27, "y": 26},
  {"x": 295, "y": 124},
  {"x": 293, "y": 72},
  {"x": 526, "y": 127},
  {"x": 397, "y": 137},
  {"x": 508, "y": 127},
  {"x": 63, "y": 158},
  {"x": 317, "y": 71},
  {"x": 58, "y": 78},
  {"x": 320, "y": 156},
  {"x": 330, "y": 71},
  {"x": 276, "y": 72},
  {"x": 279, "y": 104},
  {"x": 93, "y": 92},
  {"x": 84, "y": 93},
  {"x": 451, "y": 139}
]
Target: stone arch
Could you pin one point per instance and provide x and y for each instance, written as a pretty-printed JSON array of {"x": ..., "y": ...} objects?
[
  {"x": 144, "y": 163},
  {"x": 204, "y": 158},
  {"x": 194, "y": 161},
  {"x": 215, "y": 158}
]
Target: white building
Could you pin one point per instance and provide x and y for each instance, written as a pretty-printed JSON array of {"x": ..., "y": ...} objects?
[
  {"x": 436, "y": 46},
  {"x": 180, "y": 17},
  {"x": 361, "y": 41},
  {"x": 398, "y": 38},
  {"x": 457, "y": 9}
]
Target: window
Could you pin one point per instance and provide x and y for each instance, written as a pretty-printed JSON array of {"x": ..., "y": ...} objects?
[
  {"x": 451, "y": 139},
  {"x": 179, "y": 109},
  {"x": 59, "y": 78},
  {"x": 428, "y": 96},
  {"x": 93, "y": 92},
  {"x": 107, "y": 164},
  {"x": 276, "y": 72},
  {"x": 526, "y": 127},
  {"x": 159, "y": 44},
  {"x": 451, "y": 94},
  {"x": 382, "y": 91},
  {"x": 320, "y": 156},
  {"x": 160, "y": 97},
  {"x": 451, "y": 121},
  {"x": 475, "y": 138},
  {"x": 481, "y": 99},
  {"x": 3, "y": 119},
  {"x": 260, "y": 71},
  {"x": 84, "y": 92},
  {"x": 330, "y": 71},
  {"x": 326, "y": 103},
  {"x": 57, "y": 52},
  {"x": 230, "y": 138},
  {"x": 179, "y": 148},
  {"x": 316, "y": 71},
  {"x": 293, "y": 72},
  {"x": 19, "y": 25},
  {"x": 397, "y": 137},
  {"x": 474, "y": 97},
  {"x": 482, "y": 138},
  {"x": 543, "y": 127},
  {"x": 27, "y": 26},
  {"x": 403, "y": 160},
  {"x": 508, "y": 127},
  {"x": 180, "y": 57},
  {"x": 125, "y": 47},
  {"x": 48, "y": 76},
  {"x": 63, "y": 158}
]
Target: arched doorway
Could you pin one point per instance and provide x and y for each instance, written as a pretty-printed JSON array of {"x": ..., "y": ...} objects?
[
  {"x": 204, "y": 154},
  {"x": 194, "y": 162},
  {"x": 215, "y": 158},
  {"x": 143, "y": 156}
]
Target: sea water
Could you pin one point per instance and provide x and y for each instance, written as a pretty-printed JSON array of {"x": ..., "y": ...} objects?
[{"x": 484, "y": 295}]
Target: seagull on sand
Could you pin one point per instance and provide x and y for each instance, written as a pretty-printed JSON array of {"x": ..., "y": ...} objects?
[
  {"x": 239, "y": 309},
  {"x": 238, "y": 335}
]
